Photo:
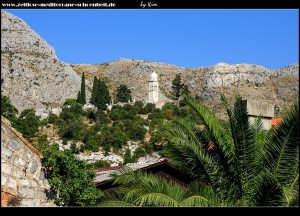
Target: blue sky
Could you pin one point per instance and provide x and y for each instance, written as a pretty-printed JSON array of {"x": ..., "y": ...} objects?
[{"x": 188, "y": 38}]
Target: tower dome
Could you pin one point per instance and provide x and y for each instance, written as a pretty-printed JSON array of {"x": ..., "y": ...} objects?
[{"x": 153, "y": 76}]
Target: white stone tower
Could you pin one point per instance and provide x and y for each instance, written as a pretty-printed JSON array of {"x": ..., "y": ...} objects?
[{"x": 153, "y": 89}]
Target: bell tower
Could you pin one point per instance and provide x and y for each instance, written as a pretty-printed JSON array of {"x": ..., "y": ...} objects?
[{"x": 153, "y": 89}]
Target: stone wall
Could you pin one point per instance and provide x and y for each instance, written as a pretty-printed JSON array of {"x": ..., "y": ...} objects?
[
  {"x": 22, "y": 176},
  {"x": 261, "y": 108}
]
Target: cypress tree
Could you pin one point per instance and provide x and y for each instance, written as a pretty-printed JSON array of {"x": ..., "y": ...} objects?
[
  {"x": 177, "y": 86},
  {"x": 123, "y": 94},
  {"x": 102, "y": 97},
  {"x": 82, "y": 95},
  {"x": 78, "y": 97},
  {"x": 94, "y": 91}
]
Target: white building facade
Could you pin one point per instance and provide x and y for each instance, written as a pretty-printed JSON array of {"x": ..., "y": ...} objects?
[{"x": 153, "y": 89}]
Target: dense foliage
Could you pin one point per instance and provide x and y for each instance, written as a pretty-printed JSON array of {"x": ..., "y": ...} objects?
[
  {"x": 27, "y": 123},
  {"x": 81, "y": 98},
  {"x": 123, "y": 94},
  {"x": 176, "y": 87},
  {"x": 7, "y": 109},
  {"x": 71, "y": 180},
  {"x": 239, "y": 165}
]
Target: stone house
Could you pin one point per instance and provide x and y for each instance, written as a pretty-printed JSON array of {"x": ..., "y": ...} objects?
[{"x": 22, "y": 178}]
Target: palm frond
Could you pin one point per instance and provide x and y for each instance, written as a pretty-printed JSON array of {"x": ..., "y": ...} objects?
[
  {"x": 156, "y": 199},
  {"x": 116, "y": 203},
  {"x": 282, "y": 147}
]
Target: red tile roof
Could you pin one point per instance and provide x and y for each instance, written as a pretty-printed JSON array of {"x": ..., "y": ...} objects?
[{"x": 276, "y": 120}]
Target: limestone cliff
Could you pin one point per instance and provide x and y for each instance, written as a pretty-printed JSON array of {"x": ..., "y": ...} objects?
[
  {"x": 31, "y": 74},
  {"x": 250, "y": 80}
]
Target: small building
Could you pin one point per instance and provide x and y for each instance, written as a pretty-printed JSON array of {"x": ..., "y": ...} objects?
[
  {"x": 265, "y": 109},
  {"x": 160, "y": 167}
]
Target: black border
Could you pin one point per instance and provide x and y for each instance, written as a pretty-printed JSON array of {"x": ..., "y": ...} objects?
[{"x": 161, "y": 4}]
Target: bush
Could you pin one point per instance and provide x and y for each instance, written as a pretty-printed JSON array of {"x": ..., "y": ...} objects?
[
  {"x": 137, "y": 132},
  {"x": 127, "y": 157},
  {"x": 139, "y": 152},
  {"x": 74, "y": 148},
  {"x": 102, "y": 117},
  {"x": 52, "y": 118},
  {"x": 149, "y": 148},
  {"x": 100, "y": 164},
  {"x": 138, "y": 107},
  {"x": 149, "y": 108},
  {"x": 79, "y": 188},
  {"x": 64, "y": 142},
  {"x": 70, "y": 130},
  {"x": 119, "y": 139},
  {"x": 42, "y": 139},
  {"x": 91, "y": 114},
  {"x": 91, "y": 145},
  {"x": 27, "y": 124},
  {"x": 8, "y": 110}
]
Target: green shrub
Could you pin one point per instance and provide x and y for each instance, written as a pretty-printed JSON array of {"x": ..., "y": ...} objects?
[
  {"x": 137, "y": 132},
  {"x": 27, "y": 123},
  {"x": 91, "y": 114},
  {"x": 64, "y": 142},
  {"x": 74, "y": 148},
  {"x": 138, "y": 107},
  {"x": 79, "y": 188},
  {"x": 91, "y": 145},
  {"x": 42, "y": 139},
  {"x": 139, "y": 152},
  {"x": 52, "y": 118},
  {"x": 100, "y": 164},
  {"x": 70, "y": 130},
  {"x": 149, "y": 108},
  {"x": 127, "y": 157},
  {"x": 149, "y": 148}
]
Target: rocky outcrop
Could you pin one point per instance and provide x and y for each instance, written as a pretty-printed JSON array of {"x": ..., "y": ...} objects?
[
  {"x": 250, "y": 80},
  {"x": 32, "y": 75},
  {"x": 22, "y": 177}
]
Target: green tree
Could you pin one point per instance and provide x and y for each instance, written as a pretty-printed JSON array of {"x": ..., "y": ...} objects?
[
  {"x": 128, "y": 157},
  {"x": 7, "y": 109},
  {"x": 143, "y": 189},
  {"x": 71, "y": 180},
  {"x": 81, "y": 97},
  {"x": 243, "y": 165},
  {"x": 94, "y": 91},
  {"x": 123, "y": 94},
  {"x": 102, "y": 97},
  {"x": 78, "y": 100},
  {"x": 177, "y": 85},
  {"x": 27, "y": 123}
]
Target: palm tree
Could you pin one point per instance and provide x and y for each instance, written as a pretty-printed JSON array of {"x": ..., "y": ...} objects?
[
  {"x": 143, "y": 189},
  {"x": 249, "y": 166},
  {"x": 239, "y": 165}
]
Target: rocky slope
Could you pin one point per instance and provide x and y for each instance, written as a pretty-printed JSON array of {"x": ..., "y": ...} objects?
[
  {"x": 252, "y": 81},
  {"x": 31, "y": 74}
]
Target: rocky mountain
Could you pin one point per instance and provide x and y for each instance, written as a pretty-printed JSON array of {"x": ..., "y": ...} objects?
[
  {"x": 33, "y": 76},
  {"x": 250, "y": 80}
]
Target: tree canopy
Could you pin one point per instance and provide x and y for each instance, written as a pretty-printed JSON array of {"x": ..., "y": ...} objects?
[{"x": 123, "y": 94}]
